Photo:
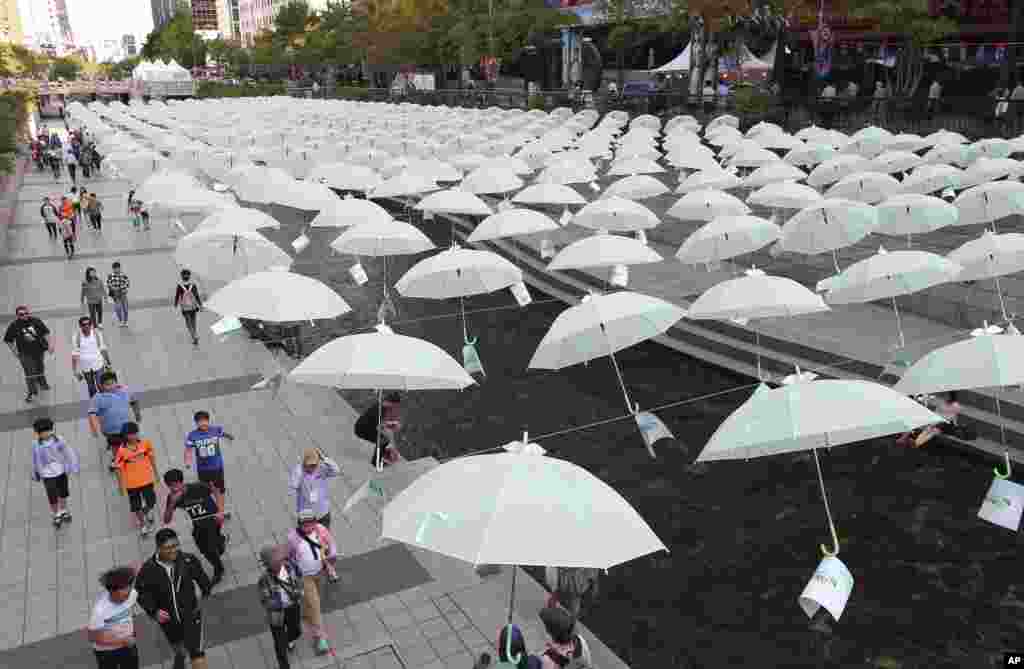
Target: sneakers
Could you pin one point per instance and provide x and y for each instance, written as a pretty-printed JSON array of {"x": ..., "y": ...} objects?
[
  {"x": 322, "y": 647},
  {"x": 30, "y": 398},
  {"x": 66, "y": 515},
  {"x": 58, "y": 518}
]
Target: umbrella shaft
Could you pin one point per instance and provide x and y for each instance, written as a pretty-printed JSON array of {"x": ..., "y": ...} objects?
[{"x": 512, "y": 596}]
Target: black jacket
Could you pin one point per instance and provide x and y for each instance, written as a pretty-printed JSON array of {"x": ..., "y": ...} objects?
[{"x": 175, "y": 594}]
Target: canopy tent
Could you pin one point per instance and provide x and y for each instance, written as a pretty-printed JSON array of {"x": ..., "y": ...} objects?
[
  {"x": 748, "y": 65},
  {"x": 680, "y": 63}
]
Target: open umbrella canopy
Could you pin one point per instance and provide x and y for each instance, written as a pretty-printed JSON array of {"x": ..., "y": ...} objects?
[
  {"x": 346, "y": 176},
  {"x": 834, "y": 169},
  {"x": 892, "y": 162},
  {"x": 491, "y": 180},
  {"x": 710, "y": 179},
  {"x": 914, "y": 214},
  {"x": 867, "y": 187},
  {"x": 458, "y": 272},
  {"x": 616, "y": 214},
  {"x": 773, "y": 172},
  {"x": 989, "y": 256},
  {"x": 382, "y": 238},
  {"x": 828, "y": 225},
  {"x": 603, "y": 324},
  {"x": 727, "y": 237},
  {"x": 377, "y": 360},
  {"x": 636, "y": 187},
  {"x": 707, "y": 205},
  {"x": 405, "y": 184},
  {"x": 511, "y": 223},
  {"x": 478, "y": 508},
  {"x": 548, "y": 194},
  {"x": 931, "y": 178},
  {"x": 988, "y": 361},
  {"x": 277, "y": 297},
  {"x": 238, "y": 218},
  {"x": 813, "y": 414},
  {"x": 990, "y": 202},
  {"x": 784, "y": 195},
  {"x": 454, "y": 201},
  {"x": 224, "y": 255},
  {"x": 810, "y": 154},
  {"x": 261, "y": 184},
  {"x": 756, "y": 295},
  {"x": 350, "y": 211},
  {"x": 889, "y": 274},
  {"x": 304, "y": 195},
  {"x": 603, "y": 250}
]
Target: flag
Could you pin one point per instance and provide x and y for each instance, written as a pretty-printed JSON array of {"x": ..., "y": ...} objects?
[
  {"x": 371, "y": 488},
  {"x": 652, "y": 430}
]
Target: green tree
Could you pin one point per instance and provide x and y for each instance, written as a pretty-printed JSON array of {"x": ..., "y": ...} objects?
[
  {"x": 911, "y": 19},
  {"x": 176, "y": 40}
]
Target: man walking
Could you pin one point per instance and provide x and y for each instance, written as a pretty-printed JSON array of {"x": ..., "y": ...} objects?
[
  {"x": 28, "y": 339},
  {"x": 136, "y": 461},
  {"x": 308, "y": 484},
  {"x": 203, "y": 445},
  {"x": 71, "y": 160},
  {"x": 167, "y": 585},
  {"x": 88, "y": 355},
  {"x": 117, "y": 290},
  {"x": 49, "y": 214},
  {"x": 112, "y": 408},
  {"x": 112, "y": 624},
  {"x": 186, "y": 298},
  {"x": 95, "y": 212},
  {"x": 198, "y": 501}
]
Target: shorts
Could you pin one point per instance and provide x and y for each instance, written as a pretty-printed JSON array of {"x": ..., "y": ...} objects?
[
  {"x": 187, "y": 635},
  {"x": 137, "y": 495},
  {"x": 56, "y": 488},
  {"x": 214, "y": 478}
]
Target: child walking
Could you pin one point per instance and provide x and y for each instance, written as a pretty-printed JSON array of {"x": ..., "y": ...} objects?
[
  {"x": 52, "y": 460},
  {"x": 203, "y": 445},
  {"x": 136, "y": 460}
]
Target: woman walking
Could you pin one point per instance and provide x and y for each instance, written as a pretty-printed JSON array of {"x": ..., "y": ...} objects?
[
  {"x": 92, "y": 296},
  {"x": 314, "y": 551},
  {"x": 67, "y": 233},
  {"x": 281, "y": 593},
  {"x": 186, "y": 298}
]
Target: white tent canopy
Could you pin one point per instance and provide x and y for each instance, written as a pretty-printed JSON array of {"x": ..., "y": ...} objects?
[
  {"x": 748, "y": 61},
  {"x": 680, "y": 63}
]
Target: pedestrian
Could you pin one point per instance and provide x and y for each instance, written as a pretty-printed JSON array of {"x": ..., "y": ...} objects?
[
  {"x": 95, "y": 212},
  {"x": 97, "y": 158},
  {"x": 67, "y": 211},
  {"x": 565, "y": 649},
  {"x": 28, "y": 339},
  {"x": 573, "y": 588},
  {"x": 56, "y": 165},
  {"x": 136, "y": 461},
  {"x": 203, "y": 445},
  {"x": 934, "y": 95},
  {"x": 313, "y": 549},
  {"x": 85, "y": 158},
  {"x": 76, "y": 205},
  {"x": 49, "y": 214},
  {"x": 111, "y": 627},
  {"x": 186, "y": 298},
  {"x": 92, "y": 296},
  {"x": 112, "y": 408},
  {"x": 89, "y": 355},
  {"x": 308, "y": 484},
  {"x": 117, "y": 291},
  {"x": 52, "y": 461},
  {"x": 144, "y": 216},
  {"x": 67, "y": 233},
  {"x": 281, "y": 593},
  {"x": 135, "y": 210},
  {"x": 167, "y": 584},
  {"x": 197, "y": 500},
  {"x": 379, "y": 425},
  {"x": 71, "y": 160}
]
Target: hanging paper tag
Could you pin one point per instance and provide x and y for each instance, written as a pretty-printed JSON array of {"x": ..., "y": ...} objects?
[
  {"x": 566, "y": 217},
  {"x": 547, "y": 249},
  {"x": 219, "y": 187},
  {"x": 180, "y": 225},
  {"x": 594, "y": 186},
  {"x": 428, "y": 216},
  {"x": 504, "y": 205},
  {"x": 358, "y": 274},
  {"x": 1003, "y": 504},
  {"x": 830, "y": 587},
  {"x": 652, "y": 430},
  {"x": 225, "y": 326},
  {"x": 384, "y": 329},
  {"x": 641, "y": 237},
  {"x": 471, "y": 360},
  {"x": 300, "y": 243},
  {"x": 620, "y": 276},
  {"x": 521, "y": 293}
]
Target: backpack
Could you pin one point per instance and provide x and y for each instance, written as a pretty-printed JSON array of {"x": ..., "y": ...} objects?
[
  {"x": 580, "y": 658},
  {"x": 188, "y": 300}
]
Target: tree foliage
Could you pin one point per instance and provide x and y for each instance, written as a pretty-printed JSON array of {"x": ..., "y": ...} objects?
[
  {"x": 66, "y": 68},
  {"x": 176, "y": 40}
]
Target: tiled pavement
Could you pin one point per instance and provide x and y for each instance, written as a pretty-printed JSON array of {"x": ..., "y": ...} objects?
[{"x": 48, "y": 583}]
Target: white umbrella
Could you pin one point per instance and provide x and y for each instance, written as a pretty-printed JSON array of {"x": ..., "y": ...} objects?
[
  {"x": 827, "y": 226},
  {"x": 990, "y": 257},
  {"x": 710, "y": 179},
  {"x": 350, "y": 211},
  {"x": 379, "y": 361},
  {"x": 812, "y": 415},
  {"x": 382, "y": 238},
  {"x": 512, "y": 223},
  {"x": 892, "y": 162},
  {"x": 810, "y": 154},
  {"x": 784, "y": 195},
  {"x": 615, "y": 214},
  {"x": 990, "y": 169},
  {"x": 239, "y": 218},
  {"x": 603, "y": 250},
  {"x": 345, "y": 176},
  {"x": 304, "y": 195},
  {"x": 548, "y": 194},
  {"x": 888, "y": 275},
  {"x": 491, "y": 180},
  {"x": 707, "y": 205},
  {"x": 458, "y": 272},
  {"x": 990, "y": 202},
  {"x": 727, "y": 237},
  {"x": 637, "y": 187},
  {"x": 278, "y": 297},
  {"x": 932, "y": 178},
  {"x": 260, "y": 184},
  {"x": 454, "y": 201},
  {"x": 867, "y": 187},
  {"x": 960, "y": 154},
  {"x": 478, "y": 508},
  {"x": 913, "y": 214},
  {"x": 834, "y": 169},
  {"x": 631, "y": 166},
  {"x": 754, "y": 156},
  {"x": 773, "y": 172},
  {"x": 405, "y": 184},
  {"x": 218, "y": 255}
]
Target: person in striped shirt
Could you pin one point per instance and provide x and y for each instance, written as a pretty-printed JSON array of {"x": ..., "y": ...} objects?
[{"x": 117, "y": 289}]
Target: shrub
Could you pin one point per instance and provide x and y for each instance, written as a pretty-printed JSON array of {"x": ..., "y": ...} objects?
[{"x": 751, "y": 101}]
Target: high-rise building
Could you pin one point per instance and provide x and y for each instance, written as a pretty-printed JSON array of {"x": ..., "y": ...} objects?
[
  {"x": 10, "y": 22},
  {"x": 228, "y": 19},
  {"x": 128, "y": 46},
  {"x": 164, "y": 11}
]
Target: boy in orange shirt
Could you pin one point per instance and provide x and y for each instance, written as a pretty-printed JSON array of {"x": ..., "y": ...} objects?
[{"x": 136, "y": 461}]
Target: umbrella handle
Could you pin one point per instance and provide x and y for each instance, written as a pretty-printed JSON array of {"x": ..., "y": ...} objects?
[
  {"x": 1009, "y": 468},
  {"x": 828, "y": 512}
]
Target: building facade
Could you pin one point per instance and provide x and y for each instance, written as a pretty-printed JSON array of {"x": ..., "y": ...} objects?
[
  {"x": 11, "y": 28},
  {"x": 164, "y": 10},
  {"x": 204, "y": 16},
  {"x": 229, "y": 19}
]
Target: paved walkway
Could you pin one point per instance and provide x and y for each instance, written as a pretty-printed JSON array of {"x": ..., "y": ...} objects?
[{"x": 396, "y": 607}]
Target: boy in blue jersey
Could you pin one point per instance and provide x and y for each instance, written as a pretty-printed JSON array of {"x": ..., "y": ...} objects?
[{"x": 205, "y": 441}]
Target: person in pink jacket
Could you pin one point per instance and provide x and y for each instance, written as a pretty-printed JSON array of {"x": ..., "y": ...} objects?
[{"x": 314, "y": 550}]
